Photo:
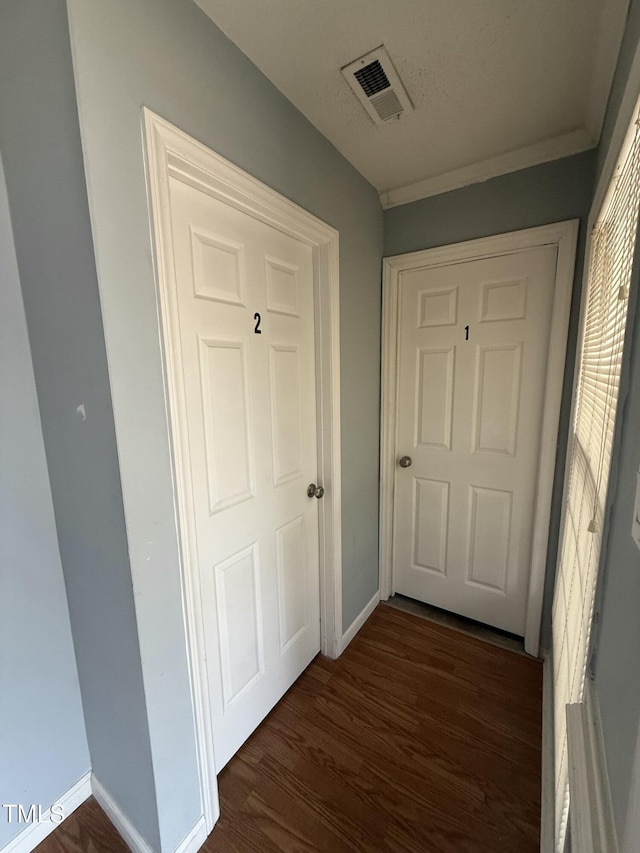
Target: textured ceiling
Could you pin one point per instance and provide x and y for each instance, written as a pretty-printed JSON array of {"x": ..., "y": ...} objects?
[{"x": 500, "y": 82}]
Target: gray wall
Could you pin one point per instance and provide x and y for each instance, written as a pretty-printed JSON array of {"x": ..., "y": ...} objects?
[
  {"x": 551, "y": 192},
  {"x": 42, "y": 738},
  {"x": 167, "y": 55},
  {"x": 617, "y": 629},
  {"x": 40, "y": 143},
  {"x": 625, "y": 59}
]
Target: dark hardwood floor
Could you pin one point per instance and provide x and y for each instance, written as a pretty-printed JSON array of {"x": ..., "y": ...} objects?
[{"x": 417, "y": 739}]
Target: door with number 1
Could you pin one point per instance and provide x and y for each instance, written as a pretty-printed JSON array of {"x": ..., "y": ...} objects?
[
  {"x": 473, "y": 347},
  {"x": 243, "y": 335}
]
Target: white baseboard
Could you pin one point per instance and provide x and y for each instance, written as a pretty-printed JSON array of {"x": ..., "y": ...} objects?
[
  {"x": 547, "y": 814},
  {"x": 194, "y": 840},
  {"x": 358, "y": 622},
  {"x": 591, "y": 813},
  {"x": 135, "y": 842},
  {"x": 34, "y": 833}
]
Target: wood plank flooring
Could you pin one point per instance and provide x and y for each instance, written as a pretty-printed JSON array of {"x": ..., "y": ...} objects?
[{"x": 417, "y": 739}]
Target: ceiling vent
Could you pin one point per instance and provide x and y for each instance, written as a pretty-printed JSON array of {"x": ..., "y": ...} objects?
[{"x": 377, "y": 86}]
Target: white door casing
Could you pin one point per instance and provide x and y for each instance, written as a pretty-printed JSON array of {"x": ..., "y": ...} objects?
[
  {"x": 440, "y": 291},
  {"x": 199, "y": 205}
]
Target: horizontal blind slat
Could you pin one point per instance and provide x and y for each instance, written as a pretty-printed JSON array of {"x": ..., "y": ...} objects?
[{"x": 596, "y": 391}]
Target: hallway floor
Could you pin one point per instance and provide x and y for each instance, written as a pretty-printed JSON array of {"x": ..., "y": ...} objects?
[{"x": 419, "y": 738}]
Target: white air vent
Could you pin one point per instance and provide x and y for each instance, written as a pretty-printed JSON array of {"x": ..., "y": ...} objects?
[{"x": 377, "y": 86}]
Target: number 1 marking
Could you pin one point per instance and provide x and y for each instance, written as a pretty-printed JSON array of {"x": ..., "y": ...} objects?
[{"x": 466, "y": 333}]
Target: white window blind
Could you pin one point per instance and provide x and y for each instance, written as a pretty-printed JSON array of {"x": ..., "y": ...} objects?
[{"x": 596, "y": 393}]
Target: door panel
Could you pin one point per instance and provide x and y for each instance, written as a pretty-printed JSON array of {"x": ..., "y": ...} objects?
[
  {"x": 228, "y": 450},
  {"x": 292, "y": 592},
  {"x": 239, "y": 611},
  {"x": 496, "y": 399},
  {"x": 286, "y": 410},
  {"x": 435, "y": 397},
  {"x": 489, "y": 531},
  {"x": 472, "y": 355},
  {"x": 430, "y": 526},
  {"x": 245, "y": 334}
]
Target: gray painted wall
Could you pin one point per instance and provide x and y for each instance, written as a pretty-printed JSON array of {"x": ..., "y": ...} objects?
[
  {"x": 617, "y": 630},
  {"x": 551, "y": 192},
  {"x": 42, "y": 737},
  {"x": 625, "y": 59},
  {"x": 167, "y": 55},
  {"x": 40, "y": 142}
]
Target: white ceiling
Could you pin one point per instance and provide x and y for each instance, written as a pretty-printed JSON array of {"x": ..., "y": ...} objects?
[{"x": 497, "y": 85}]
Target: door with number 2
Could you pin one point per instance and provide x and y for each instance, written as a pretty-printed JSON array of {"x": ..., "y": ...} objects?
[
  {"x": 244, "y": 337},
  {"x": 473, "y": 347}
]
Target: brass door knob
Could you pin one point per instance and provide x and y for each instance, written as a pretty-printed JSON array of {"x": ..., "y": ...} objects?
[{"x": 405, "y": 462}]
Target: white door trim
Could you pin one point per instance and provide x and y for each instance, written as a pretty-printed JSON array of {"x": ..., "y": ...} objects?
[
  {"x": 564, "y": 236},
  {"x": 172, "y": 153}
]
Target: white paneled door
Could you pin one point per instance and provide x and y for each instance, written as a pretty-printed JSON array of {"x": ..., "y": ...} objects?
[
  {"x": 473, "y": 347},
  {"x": 244, "y": 320}
]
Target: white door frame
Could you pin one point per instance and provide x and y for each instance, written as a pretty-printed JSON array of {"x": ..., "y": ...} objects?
[
  {"x": 564, "y": 236},
  {"x": 172, "y": 153}
]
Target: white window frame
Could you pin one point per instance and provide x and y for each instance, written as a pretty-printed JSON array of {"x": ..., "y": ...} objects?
[{"x": 620, "y": 139}]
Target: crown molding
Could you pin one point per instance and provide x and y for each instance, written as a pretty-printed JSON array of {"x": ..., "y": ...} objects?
[{"x": 532, "y": 155}]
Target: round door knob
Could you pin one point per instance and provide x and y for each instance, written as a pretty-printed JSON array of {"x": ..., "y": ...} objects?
[
  {"x": 405, "y": 462},
  {"x": 314, "y": 491}
]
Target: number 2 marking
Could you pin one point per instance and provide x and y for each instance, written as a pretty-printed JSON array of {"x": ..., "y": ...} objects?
[
  {"x": 466, "y": 333},
  {"x": 257, "y": 330}
]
